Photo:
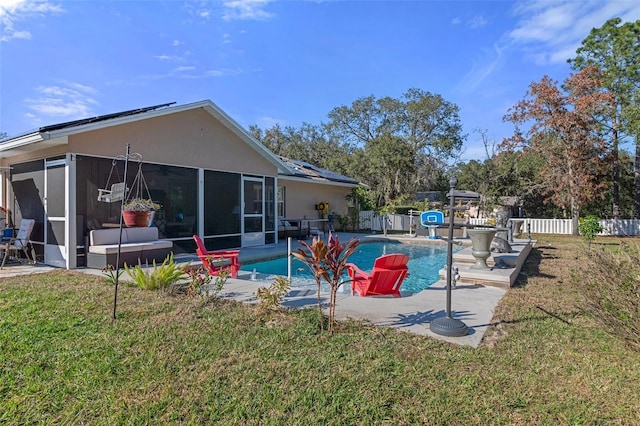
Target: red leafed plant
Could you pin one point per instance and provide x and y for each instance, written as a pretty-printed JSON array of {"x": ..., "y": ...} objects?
[{"x": 327, "y": 261}]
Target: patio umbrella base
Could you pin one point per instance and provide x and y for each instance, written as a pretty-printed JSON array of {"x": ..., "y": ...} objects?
[{"x": 447, "y": 326}]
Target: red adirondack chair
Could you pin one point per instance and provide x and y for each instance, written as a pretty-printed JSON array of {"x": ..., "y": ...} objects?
[
  {"x": 385, "y": 279},
  {"x": 217, "y": 260}
]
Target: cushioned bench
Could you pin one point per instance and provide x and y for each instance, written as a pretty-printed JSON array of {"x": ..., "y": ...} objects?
[{"x": 138, "y": 245}]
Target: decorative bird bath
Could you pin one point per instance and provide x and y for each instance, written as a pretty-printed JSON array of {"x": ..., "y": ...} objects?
[{"x": 480, "y": 245}]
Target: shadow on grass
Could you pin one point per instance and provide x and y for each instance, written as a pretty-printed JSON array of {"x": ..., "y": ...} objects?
[
  {"x": 599, "y": 243},
  {"x": 531, "y": 267},
  {"x": 535, "y": 318}
]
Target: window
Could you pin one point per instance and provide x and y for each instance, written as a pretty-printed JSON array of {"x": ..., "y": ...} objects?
[{"x": 281, "y": 201}]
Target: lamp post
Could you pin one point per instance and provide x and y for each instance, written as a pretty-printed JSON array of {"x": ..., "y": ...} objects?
[{"x": 448, "y": 326}]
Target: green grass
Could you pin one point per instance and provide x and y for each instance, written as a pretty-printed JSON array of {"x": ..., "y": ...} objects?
[{"x": 177, "y": 360}]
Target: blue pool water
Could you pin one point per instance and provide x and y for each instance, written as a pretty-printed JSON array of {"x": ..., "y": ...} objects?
[{"x": 425, "y": 260}]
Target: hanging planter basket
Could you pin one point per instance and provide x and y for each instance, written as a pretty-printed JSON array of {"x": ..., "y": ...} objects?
[
  {"x": 137, "y": 218},
  {"x": 138, "y": 211}
]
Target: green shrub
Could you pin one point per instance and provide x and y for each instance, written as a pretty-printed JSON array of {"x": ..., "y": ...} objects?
[
  {"x": 169, "y": 272},
  {"x": 589, "y": 228},
  {"x": 271, "y": 297}
]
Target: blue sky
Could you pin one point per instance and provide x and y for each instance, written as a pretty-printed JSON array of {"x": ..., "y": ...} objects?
[{"x": 288, "y": 62}]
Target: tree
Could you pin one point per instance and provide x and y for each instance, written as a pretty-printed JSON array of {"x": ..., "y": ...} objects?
[
  {"x": 395, "y": 146},
  {"x": 502, "y": 173},
  {"x": 398, "y": 144},
  {"x": 615, "y": 50},
  {"x": 309, "y": 143},
  {"x": 631, "y": 118},
  {"x": 563, "y": 130}
]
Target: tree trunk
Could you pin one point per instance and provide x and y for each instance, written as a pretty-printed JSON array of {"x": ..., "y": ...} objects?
[
  {"x": 616, "y": 176},
  {"x": 636, "y": 169},
  {"x": 575, "y": 217},
  {"x": 332, "y": 306}
]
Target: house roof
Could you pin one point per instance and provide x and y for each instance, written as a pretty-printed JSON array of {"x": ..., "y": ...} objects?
[
  {"x": 101, "y": 118},
  {"x": 57, "y": 134},
  {"x": 305, "y": 170}
]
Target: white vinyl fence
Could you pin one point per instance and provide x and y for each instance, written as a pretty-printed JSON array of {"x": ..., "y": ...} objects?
[
  {"x": 539, "y": 226},
  {"x": 369, "y": 220}
]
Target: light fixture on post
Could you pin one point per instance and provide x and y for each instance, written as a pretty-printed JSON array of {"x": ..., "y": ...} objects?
[{"x": 449, "y": 326}]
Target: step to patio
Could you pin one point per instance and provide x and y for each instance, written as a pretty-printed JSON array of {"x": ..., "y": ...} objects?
[{"x": 503, "y": 276}]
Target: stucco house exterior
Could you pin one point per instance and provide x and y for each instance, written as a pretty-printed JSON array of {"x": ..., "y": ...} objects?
[{"x": 211, "y": 177}]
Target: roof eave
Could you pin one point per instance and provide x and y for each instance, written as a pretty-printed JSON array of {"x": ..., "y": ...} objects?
[
  {"x": 322, "y": 182},
  {"x": 20, "y": 142}
]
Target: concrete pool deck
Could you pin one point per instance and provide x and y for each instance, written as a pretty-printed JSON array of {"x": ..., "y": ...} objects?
[{"x": 473, "y": 300}]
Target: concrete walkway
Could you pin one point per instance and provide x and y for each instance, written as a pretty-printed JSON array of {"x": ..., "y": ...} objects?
[
  {"x": 471, "y": 301},
  {"x": 472, "y": 304}
]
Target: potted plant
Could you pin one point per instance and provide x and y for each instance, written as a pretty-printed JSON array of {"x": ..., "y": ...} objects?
[{"x": 138, "y": 212}]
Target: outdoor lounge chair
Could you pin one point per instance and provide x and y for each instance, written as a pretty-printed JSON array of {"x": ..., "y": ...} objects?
[
  {"x": 217, "y": 260},
  {"x": 18, "y": 243},
  {"x": 385, "y": 279}
]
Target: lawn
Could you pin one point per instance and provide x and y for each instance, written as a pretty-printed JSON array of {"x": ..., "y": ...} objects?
[{"x": 174, "y": 360}]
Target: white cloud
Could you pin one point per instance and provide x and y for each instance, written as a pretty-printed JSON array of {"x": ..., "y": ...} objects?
[
  {"x": 551, "y": 31},
  {"x": 477, "y": 21},
  {"x": 474, "y": 22},
  {"x": 184, "y": 68},
  {"x": 176, "y": 43},
  {"x": 191, "y": 72},
  {"x": 224, "y": 72},
  {"x": 482, "y": 68},
  {"x": 246, "y": 10},
  {"x": 70, "y": 101},
  {"x": 168, "y": 58},
  {"x": 14, "y": 12}
]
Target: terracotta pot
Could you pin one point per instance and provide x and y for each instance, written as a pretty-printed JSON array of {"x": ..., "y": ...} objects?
[{"x": 137, "y": 219}]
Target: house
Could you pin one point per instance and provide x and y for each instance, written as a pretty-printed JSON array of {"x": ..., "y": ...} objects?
[{"x": 210, "y": 176}]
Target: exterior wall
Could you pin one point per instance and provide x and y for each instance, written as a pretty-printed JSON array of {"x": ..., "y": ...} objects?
[
  {"x": 302, "y": 197},
  {"x": 190, "y": 138}
]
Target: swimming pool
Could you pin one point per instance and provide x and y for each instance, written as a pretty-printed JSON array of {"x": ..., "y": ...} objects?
[{"x": 425, "y": 262}]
